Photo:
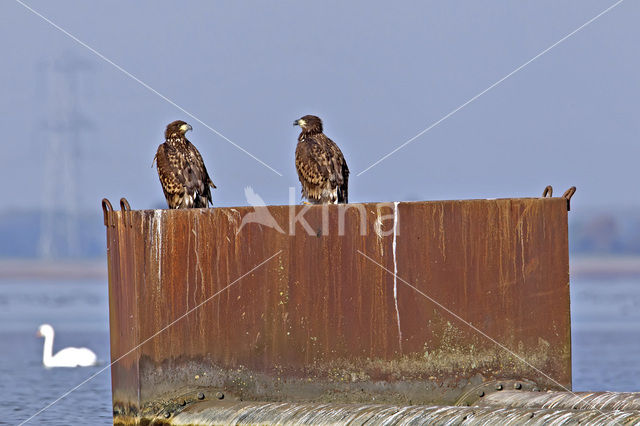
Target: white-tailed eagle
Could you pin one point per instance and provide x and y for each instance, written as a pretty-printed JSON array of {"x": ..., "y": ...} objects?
[
  {"x": 321, "y": 167},
  {"x": 182, "y": 173}
]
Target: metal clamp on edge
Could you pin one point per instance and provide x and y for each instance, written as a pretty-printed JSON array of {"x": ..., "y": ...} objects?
[
  {"x": 126, "y": 215},
  {"x": 567, "y": 195},
  {"x": 107, "y": 211}
]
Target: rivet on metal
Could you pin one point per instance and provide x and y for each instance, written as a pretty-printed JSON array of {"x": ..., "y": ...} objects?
[
  {"x": 517, "y": 385},
  {"x": 167, "y": 415},
  {"x": 183, "y": 403},
  {"x": 499, "y": 386},
  {"x": 481, "y": 393},
  {"x": 200, "y": 395},
  {"x": 219, "y": 395},
  {"x": 536, "y": 389}
]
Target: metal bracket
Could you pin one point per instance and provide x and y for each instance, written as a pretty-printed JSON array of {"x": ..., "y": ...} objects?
[
  {"x": 567, "y": 195},
  {"x": 126, "y": 215},
  {"x": 548, "y": 192},
  {"x": 107, "y": 211}
]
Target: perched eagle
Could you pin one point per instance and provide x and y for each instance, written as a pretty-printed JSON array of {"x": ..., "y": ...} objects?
[
  {"x": 182, "y": 173},
  {"x": 322, "y": 169}
]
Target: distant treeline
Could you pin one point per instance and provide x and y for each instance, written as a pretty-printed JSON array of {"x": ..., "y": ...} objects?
[
  {"x": 22, "y": 234},
  {"x": 605, "y": 232}
]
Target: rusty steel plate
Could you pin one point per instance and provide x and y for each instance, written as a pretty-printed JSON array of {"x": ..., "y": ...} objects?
[{"x": 398, "y": 303}]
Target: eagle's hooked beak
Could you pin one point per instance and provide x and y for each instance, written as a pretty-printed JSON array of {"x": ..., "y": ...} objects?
[
  {"x": 185, "y": 128},
  {"x": 300, "y": 122},
  {"x": 295, "y": 123}
]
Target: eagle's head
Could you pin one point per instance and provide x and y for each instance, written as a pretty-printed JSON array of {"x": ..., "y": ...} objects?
[
  {"x": 309, "y": 124},
  {"x": 178, "y": 127}
]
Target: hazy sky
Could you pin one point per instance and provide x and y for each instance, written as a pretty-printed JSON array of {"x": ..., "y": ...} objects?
[{"x": 378, "y": 73}]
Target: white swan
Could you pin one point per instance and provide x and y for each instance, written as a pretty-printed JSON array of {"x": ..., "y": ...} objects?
[{"x": 68, "y": 357}]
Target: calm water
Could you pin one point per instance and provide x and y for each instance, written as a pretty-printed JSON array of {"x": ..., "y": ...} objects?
[
  {"x": 606, "y": 345},
  {"x": 79, "y": 313}
]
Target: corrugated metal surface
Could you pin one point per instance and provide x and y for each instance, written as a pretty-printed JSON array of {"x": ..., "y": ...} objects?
[
  {"x": 338, "y": 414},
  {"x": 320, "y": 317},
  {"x": 606, "y": 401}
]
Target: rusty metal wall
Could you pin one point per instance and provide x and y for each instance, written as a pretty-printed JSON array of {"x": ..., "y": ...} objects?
[{"x": 202, "y": 302}]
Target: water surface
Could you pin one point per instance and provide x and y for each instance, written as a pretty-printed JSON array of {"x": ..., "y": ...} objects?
[
  {"x": 605, "y": 321},
  {"x": 79, "y": 313}
]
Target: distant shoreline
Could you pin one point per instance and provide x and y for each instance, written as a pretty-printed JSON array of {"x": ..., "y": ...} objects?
[
  {"x": 605, "y": 266},
  {"x": 27, "y": 269}
]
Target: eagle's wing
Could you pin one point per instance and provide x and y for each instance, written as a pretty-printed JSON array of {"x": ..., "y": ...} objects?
[
  {"x": 198, "y": 159},
  {"x": 196, "y": 177},
  {"x": 340, "y": 170}
]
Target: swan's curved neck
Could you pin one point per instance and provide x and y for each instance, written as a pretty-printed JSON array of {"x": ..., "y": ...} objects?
[{"x": 47, "y": 352}]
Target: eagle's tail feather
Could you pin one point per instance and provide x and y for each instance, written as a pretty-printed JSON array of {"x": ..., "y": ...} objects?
[
  {"x": 343, "y": 196},
  {"x": 343, "y": 190}
]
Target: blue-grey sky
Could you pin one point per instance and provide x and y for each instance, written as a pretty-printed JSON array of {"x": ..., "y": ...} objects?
[{"x": 377, "y": 73}]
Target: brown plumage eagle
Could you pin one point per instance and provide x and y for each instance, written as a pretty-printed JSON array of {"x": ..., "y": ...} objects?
[
  {"x": 182, "y": 173},
  {"x": 322, "y": 169}
]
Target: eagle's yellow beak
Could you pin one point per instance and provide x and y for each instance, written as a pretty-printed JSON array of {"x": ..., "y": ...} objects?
[
  {"x": 185, "y": 128},
  {"x": 300, "y": 122}
]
